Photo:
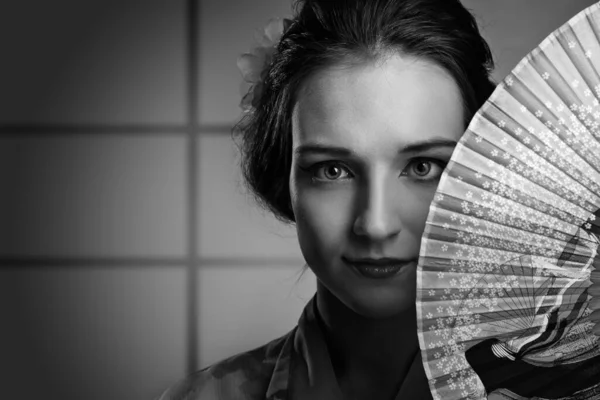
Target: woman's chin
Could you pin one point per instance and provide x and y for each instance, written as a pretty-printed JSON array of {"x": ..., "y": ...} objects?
[
  {"x": 381, "y": 305},
  {"x": 369, "y": 297}
]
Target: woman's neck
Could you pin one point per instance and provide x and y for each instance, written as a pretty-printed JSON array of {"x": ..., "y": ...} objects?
[{"x": 367, "y": 351}]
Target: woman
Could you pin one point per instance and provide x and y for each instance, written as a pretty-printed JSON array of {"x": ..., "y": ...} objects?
[{"x": 358, "y": 115}]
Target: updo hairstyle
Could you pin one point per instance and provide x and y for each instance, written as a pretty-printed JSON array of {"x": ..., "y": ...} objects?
[{"x": 350, "y": 32}]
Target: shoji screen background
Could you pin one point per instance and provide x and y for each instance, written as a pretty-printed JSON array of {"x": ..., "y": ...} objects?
[{"x": 130, "y": 254}]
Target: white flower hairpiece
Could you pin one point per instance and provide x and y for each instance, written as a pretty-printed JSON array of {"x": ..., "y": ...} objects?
[{"x": 254, "y": 65}]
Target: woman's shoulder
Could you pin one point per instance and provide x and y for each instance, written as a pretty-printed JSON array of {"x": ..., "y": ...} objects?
[{"x": 244, "y": 376}]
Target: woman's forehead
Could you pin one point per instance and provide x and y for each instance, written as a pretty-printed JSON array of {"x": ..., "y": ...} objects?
[{"x": 401, "y": 99}]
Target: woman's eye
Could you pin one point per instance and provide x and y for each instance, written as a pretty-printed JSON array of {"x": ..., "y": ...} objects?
[
  {"x": 424, "y": 169},
  {"x": 330, "y": 172}
]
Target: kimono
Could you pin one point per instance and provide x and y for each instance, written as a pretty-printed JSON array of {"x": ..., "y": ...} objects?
[
  {"x": 294, "y": 367},
  {"x": 297, "y": 366}
]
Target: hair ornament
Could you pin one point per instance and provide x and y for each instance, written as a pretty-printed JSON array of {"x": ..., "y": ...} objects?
[{"x": 255, "y": 65}]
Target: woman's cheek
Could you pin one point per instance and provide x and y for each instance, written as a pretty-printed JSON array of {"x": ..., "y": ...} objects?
[
  {"x": 418, "y": 211},
  {"x": 323, "y": 221}
]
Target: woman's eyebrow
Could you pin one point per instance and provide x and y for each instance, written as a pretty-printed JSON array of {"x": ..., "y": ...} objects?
[
  {"x": 344, "y": 152},
  {"x": 427, "y": 145},
  {"x": 322, "y": 149}
]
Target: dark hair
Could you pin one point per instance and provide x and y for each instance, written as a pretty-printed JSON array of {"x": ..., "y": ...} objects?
[{"x": 325, "y": 33}]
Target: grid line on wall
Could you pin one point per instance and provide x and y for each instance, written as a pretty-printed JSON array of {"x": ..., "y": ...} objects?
[
  {"x": 40, "y": 262},
  {"x": 37, "y": 262},
  {"x": 192, "y": 114},
  {"x": 8, "y": 130}
]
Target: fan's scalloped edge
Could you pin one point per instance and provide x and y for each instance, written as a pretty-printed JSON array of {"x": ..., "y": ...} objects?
[
  {"x": 444, "y": 179},
  {"x": 594, "y": 8}
]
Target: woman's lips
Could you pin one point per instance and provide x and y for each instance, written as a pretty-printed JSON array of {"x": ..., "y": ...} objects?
[{"x": 377, "y": 268}]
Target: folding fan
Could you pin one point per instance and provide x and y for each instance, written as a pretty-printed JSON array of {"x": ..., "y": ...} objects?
[{"x": 505, "y": 270}]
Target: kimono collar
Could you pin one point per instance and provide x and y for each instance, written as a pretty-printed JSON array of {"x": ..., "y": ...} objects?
[{"x": 304, "y": 369}]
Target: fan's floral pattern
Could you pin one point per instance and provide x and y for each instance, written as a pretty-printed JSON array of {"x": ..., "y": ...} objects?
[
  {"x": 512, "y": 237},
  {"x": 255, "y": 65}
]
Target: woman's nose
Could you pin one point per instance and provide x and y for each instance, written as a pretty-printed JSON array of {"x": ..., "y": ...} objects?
[{"x": 378, "y": 212}]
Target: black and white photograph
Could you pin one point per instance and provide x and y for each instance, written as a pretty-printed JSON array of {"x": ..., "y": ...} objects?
[{"x": 300, "y": 200}]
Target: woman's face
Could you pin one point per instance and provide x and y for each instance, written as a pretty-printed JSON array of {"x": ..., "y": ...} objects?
[{"x": 369, "y": 145}]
